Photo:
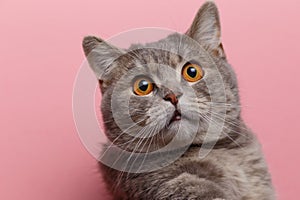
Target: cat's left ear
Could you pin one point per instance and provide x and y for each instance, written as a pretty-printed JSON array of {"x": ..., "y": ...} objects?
[
  {"x": 206, "y": 29},
  {"x": 101, "y": 57}
]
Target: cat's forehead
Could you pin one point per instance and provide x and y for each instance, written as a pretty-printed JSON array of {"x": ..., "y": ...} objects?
[
  {"x": 171, "y": 51},
  {"x": 152, "y": 57},
  {"x": 162, "y": 59}
]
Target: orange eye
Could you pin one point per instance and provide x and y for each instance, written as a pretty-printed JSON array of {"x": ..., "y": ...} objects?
[
  {"x": 192, "y": 72},
  {"x": 142, "y": 86}
]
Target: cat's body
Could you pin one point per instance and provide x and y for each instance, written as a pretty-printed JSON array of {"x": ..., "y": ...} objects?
[
  {"x": 228, "y": 172},
  {"x": 178, "y": 103}
]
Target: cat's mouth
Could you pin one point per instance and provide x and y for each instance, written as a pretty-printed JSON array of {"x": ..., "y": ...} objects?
[{"x": 176, "y": 117}]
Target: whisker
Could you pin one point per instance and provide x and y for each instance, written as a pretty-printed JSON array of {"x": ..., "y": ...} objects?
[
  {"x": 224, "y": 126},
  {"x": 123, "y": 151},
  {"x": 134, "y": 150},
  {"x": 153, "y": 129},
  {"x": 232, "y": 122},
  {"x": 123, "y": 132}
]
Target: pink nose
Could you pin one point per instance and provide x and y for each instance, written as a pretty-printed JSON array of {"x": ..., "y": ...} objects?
[{"x": 172, "y": 98}]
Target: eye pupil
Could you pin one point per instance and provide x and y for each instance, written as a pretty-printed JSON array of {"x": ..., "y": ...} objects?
[
  {"x": 192, "y": 72},
  {"x": 143, "y": 85}
]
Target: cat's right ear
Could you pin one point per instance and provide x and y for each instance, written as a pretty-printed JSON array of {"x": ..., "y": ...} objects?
[
  {"x": 206, "y": 29},
  {"x": 101, "y": 56}
]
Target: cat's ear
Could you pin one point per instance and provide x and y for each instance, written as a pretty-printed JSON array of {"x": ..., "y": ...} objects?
[
  {"x": 101, "y": 56},
  {"x": 206, "y": 29}
]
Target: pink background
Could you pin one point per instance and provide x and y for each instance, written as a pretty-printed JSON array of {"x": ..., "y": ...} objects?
[{"x": 40, "y": 53}]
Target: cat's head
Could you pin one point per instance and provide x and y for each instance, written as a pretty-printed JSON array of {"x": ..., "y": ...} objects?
[{"x": 178, "y": 86}]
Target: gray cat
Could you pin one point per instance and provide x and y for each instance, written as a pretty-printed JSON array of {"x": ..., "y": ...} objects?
[{"x": 179, "y": 87}]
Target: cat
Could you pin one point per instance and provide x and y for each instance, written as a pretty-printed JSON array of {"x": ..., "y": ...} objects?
[{"x": 141, "y": 85}]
